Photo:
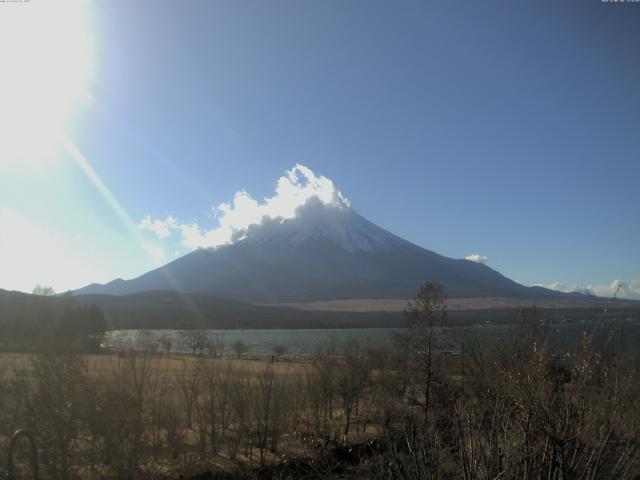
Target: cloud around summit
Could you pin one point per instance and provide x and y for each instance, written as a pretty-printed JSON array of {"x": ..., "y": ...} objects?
[
  {"x": 293, "y": 190},
  {"x": 619, "y": 288}
]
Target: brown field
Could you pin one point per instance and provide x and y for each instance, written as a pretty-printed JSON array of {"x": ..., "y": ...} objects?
[
  {"x": 478, "y": 303},
  {"x": 172, "y": 365}
]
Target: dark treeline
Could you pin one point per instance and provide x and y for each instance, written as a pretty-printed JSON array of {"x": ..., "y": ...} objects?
[{"x": 36, "y": 322}]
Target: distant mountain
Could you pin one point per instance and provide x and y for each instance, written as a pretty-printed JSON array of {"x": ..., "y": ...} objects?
[
  {"x": 7, "y": 295},
  {"x": 326, "y": 252}
]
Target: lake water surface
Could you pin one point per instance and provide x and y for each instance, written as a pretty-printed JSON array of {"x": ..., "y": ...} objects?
[
  {"x": 259, "y": 342},
  {"x": 307, "y": 341}
]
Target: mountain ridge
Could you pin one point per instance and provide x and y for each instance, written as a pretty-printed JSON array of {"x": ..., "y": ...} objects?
[{"x": 326, "y": 252}]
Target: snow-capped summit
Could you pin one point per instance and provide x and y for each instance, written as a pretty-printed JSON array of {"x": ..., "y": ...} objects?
[{"x": 315, "y": 220}]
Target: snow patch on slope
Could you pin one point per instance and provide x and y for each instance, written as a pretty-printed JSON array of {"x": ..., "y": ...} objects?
[{"x": 316, "y": 220}]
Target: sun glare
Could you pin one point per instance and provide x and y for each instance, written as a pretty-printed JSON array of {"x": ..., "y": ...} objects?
[{"x": 47, "y": 61}]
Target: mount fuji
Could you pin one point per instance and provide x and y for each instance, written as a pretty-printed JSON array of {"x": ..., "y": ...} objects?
[{"x": 326, "y": 251}]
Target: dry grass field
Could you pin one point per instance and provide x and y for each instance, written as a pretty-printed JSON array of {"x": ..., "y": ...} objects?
[
  {"x": 172, "y": 366},
  {"x": 154, "y": 415}
]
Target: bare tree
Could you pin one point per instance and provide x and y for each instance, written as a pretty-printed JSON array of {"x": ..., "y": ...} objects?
[
  {"x": 240, "y": 348},
  {"x": 195, "y": 339},
  {"x": 165, "y": 342},
  {"x": 416, "y": 337},
  {"x": 206, "y": 405},
  {"x": 44, "y": 291},
  {"x": 278, "y": 350},
  {"x": 352, "y": 377},
  {"x": 240, "y": 395},
  {"x": 215, "y": 346},
  {"x": 270, "y": 407},
  {"x": 56, "y": 398},
  {"x": 189, "y": 384},
  {"x": 320, "y": 386}
]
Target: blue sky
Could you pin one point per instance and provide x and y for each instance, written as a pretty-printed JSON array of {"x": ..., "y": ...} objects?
[{"x": 505, "y": 129}]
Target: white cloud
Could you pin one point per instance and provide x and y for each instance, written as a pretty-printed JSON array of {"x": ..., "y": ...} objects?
[
  {"x": 477, "y": 258},
  {"x": 162, "y": 228},
  {"x": 620, "y": 288},
  {"x": 293, "y": 190},
  {"x": 560, "y": 287}
]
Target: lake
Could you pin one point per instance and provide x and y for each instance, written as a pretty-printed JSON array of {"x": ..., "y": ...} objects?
[
  {"x": 307, "y": 341},
  {"x": 259, "y": 342}
]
